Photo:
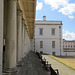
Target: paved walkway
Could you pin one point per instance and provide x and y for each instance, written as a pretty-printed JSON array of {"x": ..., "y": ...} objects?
[
  {"x": 32, "y": 66},
  {"x": 63, "y": 70}
]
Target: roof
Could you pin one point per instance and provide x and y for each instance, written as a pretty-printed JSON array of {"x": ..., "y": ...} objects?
[
  {"x": 28, "y": 8},
  {"x": 39, "y": 22},
  {"x": 68, "y": 40}
]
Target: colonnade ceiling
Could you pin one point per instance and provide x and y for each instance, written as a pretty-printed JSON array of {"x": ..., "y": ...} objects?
[{"x": 29, "y": 9}]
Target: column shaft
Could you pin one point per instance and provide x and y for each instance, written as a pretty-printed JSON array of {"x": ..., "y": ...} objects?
[
  {"x": 23, "y": 38},
  {"x": 1, "y": 33},
  {"x": 19, "y": 19},
  {"x": 24, "y": 41},
  {"x": 11, "y": 35}
]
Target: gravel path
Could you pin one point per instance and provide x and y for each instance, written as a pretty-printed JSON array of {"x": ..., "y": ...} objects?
[{"x": 63, "y": 70}]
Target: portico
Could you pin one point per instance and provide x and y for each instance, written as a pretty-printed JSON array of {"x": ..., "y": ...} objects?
[{"x": 16, "y": 28}]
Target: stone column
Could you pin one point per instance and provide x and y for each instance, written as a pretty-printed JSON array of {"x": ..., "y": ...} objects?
[
  {"x": 1, "y": 33},
  {"x": 19, "y": 21},
  {"x": 11, "y": 35},
  {"x": 23, "y": 38}
]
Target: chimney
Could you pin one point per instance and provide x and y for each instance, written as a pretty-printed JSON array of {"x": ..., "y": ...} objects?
[{"x": 44, "y": 18}]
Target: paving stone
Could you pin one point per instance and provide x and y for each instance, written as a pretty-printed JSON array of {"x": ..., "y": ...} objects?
[{"x": 32, "y": 66}]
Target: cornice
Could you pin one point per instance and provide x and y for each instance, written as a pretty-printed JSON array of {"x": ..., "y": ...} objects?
[{"x": 47, "y": 24}]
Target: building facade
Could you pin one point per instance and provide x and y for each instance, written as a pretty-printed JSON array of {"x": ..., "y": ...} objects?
[
  {"x": 48, "y": 37},
  {"x": 69, "y": 48},
  {"x": 17, "y": 19}
]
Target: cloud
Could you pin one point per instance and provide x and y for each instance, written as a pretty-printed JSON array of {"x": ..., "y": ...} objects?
[
  {"x": 68, "y": 10},
  {"x": 70, "y": 16},
  {"x": 36, "y": 19},
  {"x": 55, "y": 4},
  {"x": 63, "y": 6},
  {"x": 68, "y": 35},
  {"x": 39, "y": 6}
]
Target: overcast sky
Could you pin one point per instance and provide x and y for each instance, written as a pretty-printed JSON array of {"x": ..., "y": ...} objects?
[{"x": 59, "y": 10}]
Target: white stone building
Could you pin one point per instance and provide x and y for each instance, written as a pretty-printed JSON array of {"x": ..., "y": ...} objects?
[
  {"x": 68, "y": 47},
  {"x": 48, "y": 37}
]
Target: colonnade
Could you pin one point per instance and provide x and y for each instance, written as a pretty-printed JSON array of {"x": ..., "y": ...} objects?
[{"x": 13, "y": 30}]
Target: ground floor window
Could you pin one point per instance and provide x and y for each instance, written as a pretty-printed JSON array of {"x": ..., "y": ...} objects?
[
  {"x": 41, "y": 44},
  {"x": 53, "y": 44}
]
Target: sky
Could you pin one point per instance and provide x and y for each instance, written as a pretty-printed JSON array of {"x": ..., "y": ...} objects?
[{"x": 58, "y": 10}]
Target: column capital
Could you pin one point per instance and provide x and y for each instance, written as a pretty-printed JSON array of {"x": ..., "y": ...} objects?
[
  {"x": 23, "y": 20},
  {"x": 19, "y": 12}
]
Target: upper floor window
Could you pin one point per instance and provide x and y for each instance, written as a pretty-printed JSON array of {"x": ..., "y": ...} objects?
[
  {"x": 53, "y": 31},
  {"x": 41, "y": 31},
  {"x": 53, "y": 44},
  {"x": 41, "y": 44}
]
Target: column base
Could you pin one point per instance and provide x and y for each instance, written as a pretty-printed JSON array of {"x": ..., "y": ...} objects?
[
  {"x": 11, "y": 71},
  {"x": 19, "y": 64}
]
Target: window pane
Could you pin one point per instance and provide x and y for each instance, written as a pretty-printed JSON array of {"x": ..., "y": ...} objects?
[
  {"x": 53, "y": 44},
  {"x": 59, "y": 26},
  {"x": 41, "y": 31},
  {"x": 53, "y": 31},
  {"x": 41, "y": 44}
]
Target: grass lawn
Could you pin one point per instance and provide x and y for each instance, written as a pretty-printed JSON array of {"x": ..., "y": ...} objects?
[{"x": 70, "y": 62}]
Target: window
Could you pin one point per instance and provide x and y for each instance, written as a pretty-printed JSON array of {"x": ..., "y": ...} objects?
[
  {"x": 59, "y": 26},
  {"x": 53, "y": 44},
  {"x": 41, "y": 31},
  {"x": 74, "y": 46},
  {"x": 53, "y": 31},
  {"x": 68, "y": 45},
  {"x": 41, "y": 44}
]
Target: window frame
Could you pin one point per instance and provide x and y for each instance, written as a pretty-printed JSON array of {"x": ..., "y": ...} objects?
[
  {"x": 53, "y": 33},
  {"x": 53, "y": 44},
  {"x": 41, "y": 44},
  {"x": 40, "y": 32}
]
